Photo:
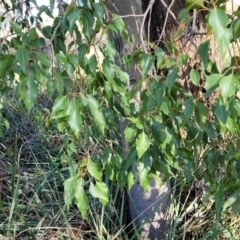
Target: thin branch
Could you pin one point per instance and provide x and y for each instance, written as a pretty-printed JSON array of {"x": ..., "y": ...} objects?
[
  {"x": 166, "y": 18},
  {"x": 169, "y": 9},
  {"x": 150, "y": 5}
]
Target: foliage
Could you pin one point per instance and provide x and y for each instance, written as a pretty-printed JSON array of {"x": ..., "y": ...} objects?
[{"x": 171, "y": 131}]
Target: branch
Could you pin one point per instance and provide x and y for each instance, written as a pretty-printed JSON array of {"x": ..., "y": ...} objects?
[
  {"x": 150, "y": 5},
  {"x": 166, "y": 18}
]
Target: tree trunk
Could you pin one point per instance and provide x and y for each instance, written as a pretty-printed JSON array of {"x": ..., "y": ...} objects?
[{"x": 148, "y": 209}]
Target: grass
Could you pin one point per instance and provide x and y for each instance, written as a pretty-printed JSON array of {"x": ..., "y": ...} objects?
[
  {"x": 31, "y": 189},
  {"x": 32, "y": 205}
]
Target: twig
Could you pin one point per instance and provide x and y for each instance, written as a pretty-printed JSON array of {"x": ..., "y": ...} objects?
[
  {"x": 150, "y": 5},
  {"x": 166, "y": 18}
]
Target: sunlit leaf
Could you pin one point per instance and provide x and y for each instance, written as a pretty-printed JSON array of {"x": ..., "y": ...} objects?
[
  {"x": 228, "y": 85},
  {"x": 59, "y": 104},
  {"x": 194, "y": 76},
  {"x": 96, "y": 112},
  {"x": 171, "y": 77},
  {"x": 212, "y": 81},
  {"x": 81, "y": 197},
  {"x": 142, "y": 143},
  {"x": 94, "y": 170},
  {"x": 218, "y": 19},
  {"x": 100, "y": 191},
  {"x": 75, "y": 121},
  {"x": 194, "y": 4}
]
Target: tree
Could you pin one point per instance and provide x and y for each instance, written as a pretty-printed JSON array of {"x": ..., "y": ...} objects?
[{"x": 179, "y": 128}]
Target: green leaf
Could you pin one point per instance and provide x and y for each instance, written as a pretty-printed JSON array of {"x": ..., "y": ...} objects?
[
  {"x": 62, "y": 58},
  {"x": 75, "y": 122},
  {"x": 142, "y": 144},
  {"x": 188, "y": 108},
  {"x": 107, "y": 70},
  {"x": 17, "y": 29},
  {"x": 32, "y": 34},
  {"x": 194, "y": 4},
  {"x": 146, "y": 63},
  {"x": 221, "y": 112},
  {"x": 228, "y": 85},
  {"x": 236, "y": 28},
  {"x": 194, "y": 76},
  {"x": 98, "y": 11},
  {"x": 130, "y": 180},
  {"x": 72, "y": 16},
  {"x": 144, "y": 177},
  {"x": 68, "y": 191},
  {"x": 130, "y": 133},
  {"x": 52, "y": 2},
  {"x": 60, "y": 103},
  {"x": 23, "y": 58},
  {"x": 87, "y": 21},
  {"x": 203, "y": 52},
  {"x": 218, "y": 20},
  {"x": 44, "y": 59},
  {"x": 100, "y": 191},
  {"x": 81, "y": 197},
  {"x": 5, "y": 62},
  {"x": 171, "y": 77},
  {"x": 93, "y": 169},
  {"x": 159, "y": 53},
  {"x": 231, "y": 125},
  {"x": 28, "y": 91},
  {"x": 137, "y": 121},
  {"x": 96, "y": 112},
  {"x": 201, "y": 113},
  {"x": 219, "y": 196},
  {"x": 93, "y": 64},
  {"x": 148, "y": 103},
  {"x": 212, "y": 81}
]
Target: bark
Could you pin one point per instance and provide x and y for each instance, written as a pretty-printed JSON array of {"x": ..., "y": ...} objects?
[{"x": 148, "y": 209}]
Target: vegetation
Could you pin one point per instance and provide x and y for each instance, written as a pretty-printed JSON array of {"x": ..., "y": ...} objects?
[{"x": 63, "y": 170}]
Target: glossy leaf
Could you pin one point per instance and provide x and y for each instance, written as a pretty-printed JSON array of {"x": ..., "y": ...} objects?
[
  {"x": 75, "y": 121},
  {"x": 218, "y": 19},
  {"x": 60, "y": 103},
  {"x": 203, "y": 52},
  {"x": 171, "y": 77},
  {"x": 194, "y": 77},
  {"x": 194, "y": 4},
  {"x": 96, "y": 112},
  {"x": 221, "y": 112},
  {"x": 94, "y": 170},
  {"x": 212, "y": 81},
  {"x": 81, "y": 197},
  {"x": 146, "y": 63},
  {"x": 44, "y": 59},
  {"x": 148, "y": 103},
  {"x": 228, "y": 85},
  {"x": 130, "y": 133},
  {"x": 100, "y": 191},
  {"x": 23, "y": 58},
  {"x": 130, "y": 180},
  {"x": 188, "y": 108},
  {"x": 98, "y": 11},
  {"x": 28, "y": 91},
  {"x": 16, "y": 27},
  {"x": 142, "y": 144}
]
